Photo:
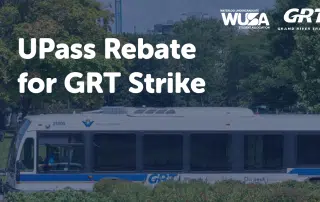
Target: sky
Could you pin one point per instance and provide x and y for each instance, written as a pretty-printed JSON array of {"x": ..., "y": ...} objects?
[{"x": 144, "y": 14}]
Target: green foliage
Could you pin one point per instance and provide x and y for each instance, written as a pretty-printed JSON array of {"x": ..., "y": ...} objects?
[
  {"x": 275, "y": 68},
  {"x": 106, "y": 186},
  {"x": 65, "y": 22},
  {"x": 4, "y": 149},
  {"x": 58, "y": 196},
  {"x": 195, "y": 191},
  {"x": 119, "y": 190},
  {"x": 130, "y": 192}
]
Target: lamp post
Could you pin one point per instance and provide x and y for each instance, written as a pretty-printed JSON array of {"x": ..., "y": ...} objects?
[{"x": 118, "y": 16}]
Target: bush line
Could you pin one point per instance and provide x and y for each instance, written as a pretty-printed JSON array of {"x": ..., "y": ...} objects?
[{"x": 173, "y": 191}]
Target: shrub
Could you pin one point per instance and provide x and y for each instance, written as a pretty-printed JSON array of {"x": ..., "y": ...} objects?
[
  {"x": 106, "y": 186},
  {"x": 284, "y": 194},
  {"x": 314, "y": 196},
  {"x": 195, "y": 191},
  {"x": 130, "y": 192},
  {"x": 229, "y": 190},
  {"x": 174, "y": 191},
  {"x": 58, "y": 196},
  {"x": 296, "y": 184}
]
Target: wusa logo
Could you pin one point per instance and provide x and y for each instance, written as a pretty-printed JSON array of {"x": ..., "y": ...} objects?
[
  {"x": 87, "y": 123},
  {"x": 299, "y": 16},
  {"x": 245, "y": 19}
]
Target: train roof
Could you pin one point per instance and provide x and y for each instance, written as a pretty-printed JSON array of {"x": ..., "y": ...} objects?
[{"x": 173, "y": 119}]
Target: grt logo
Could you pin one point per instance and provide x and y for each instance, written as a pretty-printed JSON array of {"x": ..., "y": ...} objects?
[
  {"x": 157, "y": 178},
  {"x": 296, "y": 15}
]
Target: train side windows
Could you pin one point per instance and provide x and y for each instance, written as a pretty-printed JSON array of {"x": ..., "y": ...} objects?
[
  {"x": 162, "y": 152},
  {"x": 114, "y": 152},
  {"x": 308, "y": 150},
  {"x": 263, "y": 152},
  {"x": 27, "y": 156},
  {"x": 210, "y": 152}
]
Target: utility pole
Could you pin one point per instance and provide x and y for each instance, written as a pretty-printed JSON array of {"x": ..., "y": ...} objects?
[{"x": 118, "y": 16}]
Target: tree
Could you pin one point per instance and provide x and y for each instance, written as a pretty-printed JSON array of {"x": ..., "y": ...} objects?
[
  {"x": 272, "y": 86},
  {"x": 282, "y": 42},
  {"x": 67, "y": 22},
  {"x": 247, "y": 53},
  {"x": 305, "y": 64},
  {"x": 211, "y": 39}
]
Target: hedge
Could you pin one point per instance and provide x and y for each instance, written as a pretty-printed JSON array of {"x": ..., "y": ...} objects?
[{"x": 194, "y": 191}]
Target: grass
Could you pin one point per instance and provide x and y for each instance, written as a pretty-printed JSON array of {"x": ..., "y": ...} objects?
[{"x": 4, "y": 149}]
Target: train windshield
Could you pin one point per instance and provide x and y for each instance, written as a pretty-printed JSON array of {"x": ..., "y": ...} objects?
[
  {"x": 15, "y": 143},
  {"x": 58, "y": 152}
]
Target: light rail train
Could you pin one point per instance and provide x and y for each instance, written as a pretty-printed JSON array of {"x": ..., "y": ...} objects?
[{"x": 152, "y": 145}]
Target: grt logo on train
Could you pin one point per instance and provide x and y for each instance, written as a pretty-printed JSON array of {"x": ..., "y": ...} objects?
[{"x": 157, "y": 178}]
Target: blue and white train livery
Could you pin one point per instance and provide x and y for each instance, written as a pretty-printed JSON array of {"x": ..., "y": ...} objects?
[{"x": 152, "y": 145}]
